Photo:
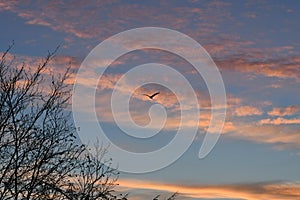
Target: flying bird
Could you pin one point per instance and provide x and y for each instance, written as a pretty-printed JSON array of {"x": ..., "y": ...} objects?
[{"x": 152, "y": 96}]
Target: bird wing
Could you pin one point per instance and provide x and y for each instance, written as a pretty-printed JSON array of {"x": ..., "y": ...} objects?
[{"x": 153, "y": 95}]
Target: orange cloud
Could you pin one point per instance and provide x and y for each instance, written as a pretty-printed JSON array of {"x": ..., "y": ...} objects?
[
  {"x": 290, "y": 110},
  {"x": 254, "y": 191},
  {"x": 139, "y": 112},
  {"x": 57, "y": 64},
  {"x": 280, "y": 136},
  {"x": 75, "y": 18},
  {"x": 247, "y": 111},
  {"x": 7, "y": 5},
  {"x": 279, "y": 121},
  {"x": 284, "y": 67},
  {"x": 269, "y": 131}
]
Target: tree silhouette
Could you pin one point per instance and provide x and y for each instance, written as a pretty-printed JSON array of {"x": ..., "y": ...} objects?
[{"x": 40, "y": 157}]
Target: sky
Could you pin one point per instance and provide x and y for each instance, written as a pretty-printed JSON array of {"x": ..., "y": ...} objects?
[{"x": 256, "y": 48}]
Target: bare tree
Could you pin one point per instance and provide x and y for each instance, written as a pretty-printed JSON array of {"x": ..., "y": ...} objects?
[
  {"x": 40, "y": 157},
  {"x": 92, "y": 173},
  {"x": 39, "y": 154}
]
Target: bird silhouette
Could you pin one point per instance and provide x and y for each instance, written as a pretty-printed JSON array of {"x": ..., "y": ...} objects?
[{"x": 152, "y": 96}]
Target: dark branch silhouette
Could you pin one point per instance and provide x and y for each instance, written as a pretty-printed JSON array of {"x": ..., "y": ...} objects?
[{"x": 40, "y": 157}]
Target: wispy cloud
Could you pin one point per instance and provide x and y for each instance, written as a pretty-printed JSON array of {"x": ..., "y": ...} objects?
[
  {"x": 275, "y": 131},
  {"x": 280, "y": 136},
  {"x": 60, "y": 16},
  {"x": 229, "y": 50},
  {"x": 280, "y": 120},
  {"x": 252, "y": 191},
  {"x": 284, "y": 67},
  {"x": 57, "y": 65},
  {"x": 248, "y": 111},
  {"x": 284, "y": 111}
]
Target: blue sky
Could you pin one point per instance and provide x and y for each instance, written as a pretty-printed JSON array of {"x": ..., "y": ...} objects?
[{"x": 256, "y": 47}]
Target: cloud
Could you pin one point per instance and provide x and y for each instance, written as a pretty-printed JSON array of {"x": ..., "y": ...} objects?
[
  {"x": 289, "y": 110},
  {"x": 57, "y": 64},
  {"x": 166, "y": 98},
  {"x": 266, "y": 131},
  {"x": 252, "y": 191},
  {"x": 279, "y": 121},
  {"x": 75, "y": 20},
  {"x": 247, "y": 111},
  {"x": 8, "y": 5},
  {"x": 280, "y": 136},
  {"x": 113, "y": 16},
  {"x": 282, "y": 67}
]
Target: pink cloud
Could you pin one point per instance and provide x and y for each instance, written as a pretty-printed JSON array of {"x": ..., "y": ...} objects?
[
  {"x": 287, "y": 67},
  {"x": 247, "y": 111},
  {"x": 112, "y": 16},
  {"x": 290, "y": 110},
  {"x": 8, "y": 5},
  {"x": 57, "y": 64},
  {"x": 279, "y": 121},
  {"x": 76, "y": 21},
  {"x": 254, "y": 191},
  {"x": 277, "y": 135},
  {"x": 269, "y": 131}
]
